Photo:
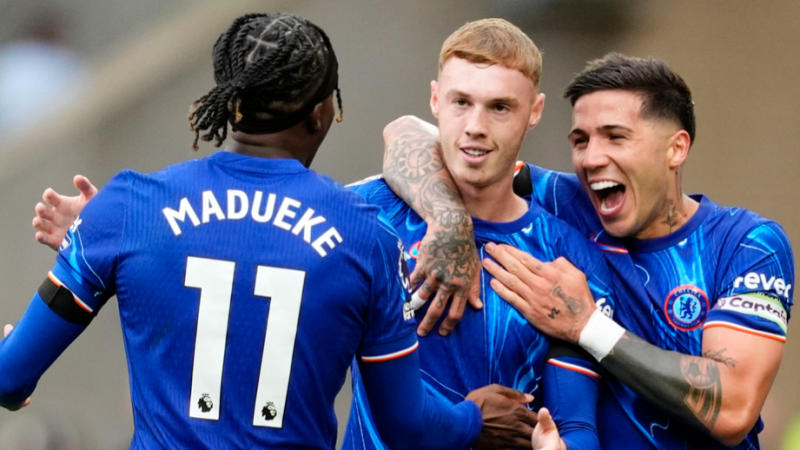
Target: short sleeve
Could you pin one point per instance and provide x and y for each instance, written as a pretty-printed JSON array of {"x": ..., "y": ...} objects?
[
  {"x": 88, "y": 256},
  {"x": 391, "y": 328},
  {"x": 758, "y": 284}
]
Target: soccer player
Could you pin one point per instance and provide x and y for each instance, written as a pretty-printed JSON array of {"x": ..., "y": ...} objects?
[
  {"x": 704, "y": 290},
  {"x": 246, "y": 282},
  {"x": 486, "y": 98}
]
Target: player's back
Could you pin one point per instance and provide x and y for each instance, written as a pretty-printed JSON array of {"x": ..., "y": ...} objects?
[{"x": 245, "y": 287}]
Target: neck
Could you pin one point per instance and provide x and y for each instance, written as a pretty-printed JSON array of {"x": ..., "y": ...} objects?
[
  {"x": 675, "y": 214},
  {"x": 287, "y": 144},
  {"x": 493, "y": 203}
]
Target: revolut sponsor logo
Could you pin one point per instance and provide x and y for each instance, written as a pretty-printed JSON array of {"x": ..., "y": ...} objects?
[{"x": 759, "y": 281}]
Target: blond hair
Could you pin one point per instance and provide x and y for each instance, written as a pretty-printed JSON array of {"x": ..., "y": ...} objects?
[{"x": 494, "y": 41}]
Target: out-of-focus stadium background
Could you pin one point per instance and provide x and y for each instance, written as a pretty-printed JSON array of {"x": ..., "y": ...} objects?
[{"x": 144, "y": 62}]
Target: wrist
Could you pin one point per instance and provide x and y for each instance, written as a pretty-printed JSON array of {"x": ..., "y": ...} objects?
[{"x": 600, "y": 335}]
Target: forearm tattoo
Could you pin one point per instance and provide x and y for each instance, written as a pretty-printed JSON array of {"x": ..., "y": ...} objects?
[
  {"x": 689, "y": 387},
  {"x": 704, "y": 395}
]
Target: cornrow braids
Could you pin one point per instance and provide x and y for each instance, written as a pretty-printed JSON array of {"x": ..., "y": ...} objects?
[{"x": 270, "y": 70}]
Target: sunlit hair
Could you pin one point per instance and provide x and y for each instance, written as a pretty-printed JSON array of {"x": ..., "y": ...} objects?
[
  {"x": 494, "y": 41},
  {"x": 664, "y": 93},
  {"x": 270, "y": 72}
]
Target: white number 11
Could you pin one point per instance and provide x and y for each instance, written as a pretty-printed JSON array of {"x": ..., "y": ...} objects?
[{"x": 284, "y": 287}]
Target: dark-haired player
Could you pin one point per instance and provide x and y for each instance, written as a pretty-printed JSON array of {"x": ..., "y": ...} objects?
[
  {"x": 246, "y": 282},
  {"x": 705, "y": 291}
]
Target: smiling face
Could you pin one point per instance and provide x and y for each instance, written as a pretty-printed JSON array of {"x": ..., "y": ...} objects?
[
  {"x": 629, "y": 164},
  {"x": 484, "y": 111}
]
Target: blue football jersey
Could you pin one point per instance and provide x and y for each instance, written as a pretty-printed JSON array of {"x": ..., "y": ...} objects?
[
  {"x": 681, "y": 284},
  {"x": 245, "y": 287},
  {"x": 494, "y": 344}
]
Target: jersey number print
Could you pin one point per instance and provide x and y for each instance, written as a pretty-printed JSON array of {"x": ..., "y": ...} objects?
[{"x": 284, "y": 287}]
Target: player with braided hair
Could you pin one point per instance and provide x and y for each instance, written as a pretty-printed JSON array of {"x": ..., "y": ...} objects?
[{"x": 246, "y": 282}]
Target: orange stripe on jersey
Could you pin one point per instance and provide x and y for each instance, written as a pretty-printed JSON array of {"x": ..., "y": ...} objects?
[
  {"x": 78, "y": 301},
  {"x": 773, "y": 336},
  {"x": 518, "y": 166},
  {"x": 573, "y": 367},
  {"x": 390, "y": 356}
]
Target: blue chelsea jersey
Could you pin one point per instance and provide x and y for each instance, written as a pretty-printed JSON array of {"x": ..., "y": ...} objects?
[
  {"x": 245, "y": 288},
  {"x": 674, "y": 287},
  {"x": 495, "y": 344}
]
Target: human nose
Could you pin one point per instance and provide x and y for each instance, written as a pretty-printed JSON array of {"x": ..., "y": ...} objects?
[
  {"x": 476, "y": 123},
  {"x": 594, "y": 155}
]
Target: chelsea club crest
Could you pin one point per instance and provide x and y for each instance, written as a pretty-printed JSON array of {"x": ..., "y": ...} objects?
[{"x": 686, "y": 307}]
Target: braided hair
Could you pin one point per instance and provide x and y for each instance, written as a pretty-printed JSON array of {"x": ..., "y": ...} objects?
[{"x": 271, "y": 70}]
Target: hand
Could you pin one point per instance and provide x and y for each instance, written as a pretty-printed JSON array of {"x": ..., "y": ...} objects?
[
  {"x": 554, "y": 296},
  {"x": 56, "y": 212},
  {"x": 448, "y": 267},
  {"x": 507, "y": 422},
  {"x": 545, "y": 434},
  {"x": 6, "y": 331}
]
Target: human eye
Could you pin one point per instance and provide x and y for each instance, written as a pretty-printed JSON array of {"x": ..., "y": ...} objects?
[
  {"x": 578, "y": 142},
  {"x": 501, "y": 107}
]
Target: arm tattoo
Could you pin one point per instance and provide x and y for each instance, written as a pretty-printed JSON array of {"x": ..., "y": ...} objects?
[
  {"x": 688, "y": 387},
  {"x": 704, "y": 396},
  {"x": 413, "y": 168}
]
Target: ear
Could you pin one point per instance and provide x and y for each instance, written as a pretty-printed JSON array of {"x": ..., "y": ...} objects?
[
  {"x": 536, "y": 111},
  {"x": 678, "y": 150},
  {"x": 435, "y": 98},
  {"x": 315, "y": 118}
]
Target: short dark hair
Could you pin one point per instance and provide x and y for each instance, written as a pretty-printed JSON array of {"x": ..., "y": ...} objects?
[
  {"x": 665, "y": 94},
  {"x": 270, "y": 72}
]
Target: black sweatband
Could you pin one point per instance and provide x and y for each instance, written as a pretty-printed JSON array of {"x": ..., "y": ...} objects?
[{"x": 62, "y": 302}]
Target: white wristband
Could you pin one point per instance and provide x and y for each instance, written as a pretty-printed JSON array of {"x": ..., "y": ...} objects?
[{"x": 600, "y": 335}]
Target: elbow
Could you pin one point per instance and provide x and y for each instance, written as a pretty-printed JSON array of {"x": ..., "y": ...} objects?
[
  {"x": 733, "y": 427},
  {"x": 391, "y": 128}
]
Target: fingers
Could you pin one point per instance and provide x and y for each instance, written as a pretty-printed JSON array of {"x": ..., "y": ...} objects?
[
  {"x": 510, "y": 284},
  {"x": 546, "y": 420},
  {"x": 7, "y": 329},
  {"x": 432, "y": 315},
  {"x": 474, "y": 295},
  {"x": 51, "y": 197},
  {"x": 43, "y": 210},
  {"x": 84, "y": 186},
  {"x": 512, "y": 394},
  {"x": 455, "y": 313}
]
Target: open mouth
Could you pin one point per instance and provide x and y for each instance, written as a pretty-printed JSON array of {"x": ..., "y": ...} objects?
[{"x": 610, "y": 195}]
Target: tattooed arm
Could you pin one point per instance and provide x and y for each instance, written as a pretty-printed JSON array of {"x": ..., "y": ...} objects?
[
  {"x": 448, "y": 262},
  {"x": 720, "y": 392}
]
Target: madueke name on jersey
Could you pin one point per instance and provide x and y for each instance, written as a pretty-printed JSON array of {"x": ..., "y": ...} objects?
[{"x": 259, "y": 208}]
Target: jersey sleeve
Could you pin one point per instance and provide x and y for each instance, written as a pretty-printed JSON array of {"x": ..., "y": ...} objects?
[
  {"x": 390, "y": 331},
  {"x": 758, "y": 283},
  {"x": 570, "y": 387},
  {"x": 55, "y": 316},
  {"x": 88, "y": 255}
]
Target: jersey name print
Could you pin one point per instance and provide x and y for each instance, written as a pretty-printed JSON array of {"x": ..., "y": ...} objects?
[{"x": 245, "y": 287}]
